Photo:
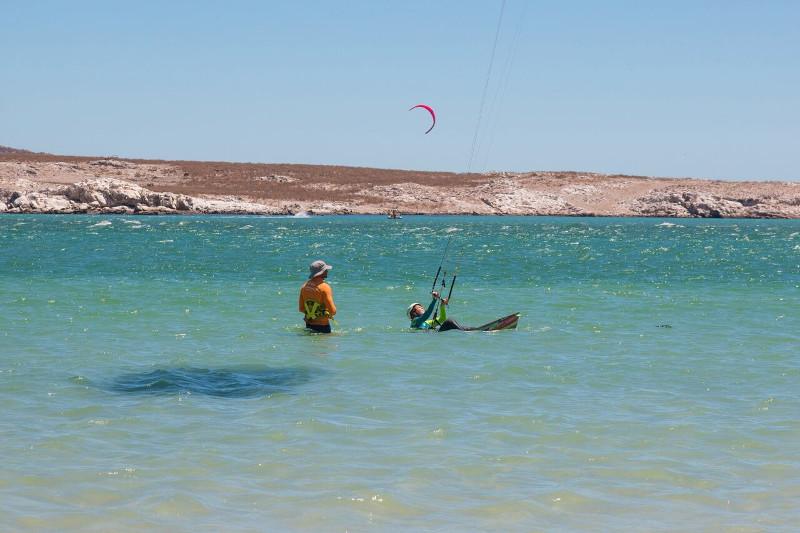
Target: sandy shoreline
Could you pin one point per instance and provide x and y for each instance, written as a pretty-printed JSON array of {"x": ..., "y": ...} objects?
[{"x": 44, "y": 183}]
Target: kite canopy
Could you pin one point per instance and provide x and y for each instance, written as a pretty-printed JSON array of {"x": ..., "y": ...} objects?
[{"x": 433, "y": 115}]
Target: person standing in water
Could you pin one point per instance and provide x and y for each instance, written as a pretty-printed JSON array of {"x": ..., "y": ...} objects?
[{"x": 316, "y": 299}]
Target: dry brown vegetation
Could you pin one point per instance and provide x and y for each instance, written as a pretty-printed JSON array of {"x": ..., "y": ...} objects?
[
  {"x": 250, "y": 180},
  {"x": 284, "y": 188}
]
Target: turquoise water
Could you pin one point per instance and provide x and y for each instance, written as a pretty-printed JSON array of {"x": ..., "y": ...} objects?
[{"x": 154, "y": 376}]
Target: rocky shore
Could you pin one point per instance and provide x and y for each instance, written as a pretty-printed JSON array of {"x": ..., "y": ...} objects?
[{"x": 44, "y": 183}]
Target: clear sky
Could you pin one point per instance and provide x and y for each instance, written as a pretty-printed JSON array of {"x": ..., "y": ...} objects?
[{"x": 677, "y": 88}]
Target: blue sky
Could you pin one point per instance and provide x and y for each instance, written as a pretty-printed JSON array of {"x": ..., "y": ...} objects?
[{"x": 696, "y": 88}]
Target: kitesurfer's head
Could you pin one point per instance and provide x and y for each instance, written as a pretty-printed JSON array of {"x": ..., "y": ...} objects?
[
  {"x": 414, "y": 310},
  {"x": 318, "y": 268}
]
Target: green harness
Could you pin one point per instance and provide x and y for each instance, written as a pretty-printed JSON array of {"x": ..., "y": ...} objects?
[{"x": 314, "y": 309}]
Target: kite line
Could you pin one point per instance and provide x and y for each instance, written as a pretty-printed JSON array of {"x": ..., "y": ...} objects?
[{"x": 486, "y": 87}]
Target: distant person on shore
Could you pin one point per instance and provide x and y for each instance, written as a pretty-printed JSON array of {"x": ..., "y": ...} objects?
[
  {"x": 421, "y": 317},
  {"x": 316, "y": 299}
]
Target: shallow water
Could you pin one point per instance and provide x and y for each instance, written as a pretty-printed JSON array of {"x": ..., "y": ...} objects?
[{"x": 155, "y": 375}]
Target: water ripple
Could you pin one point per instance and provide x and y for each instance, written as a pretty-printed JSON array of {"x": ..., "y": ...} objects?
[{"x": 239, "y": 383}]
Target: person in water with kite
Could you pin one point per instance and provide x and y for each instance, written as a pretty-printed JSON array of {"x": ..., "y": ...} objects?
[
  {"x": 435, "y": 315},
  {"x": 421, "y": 317}
]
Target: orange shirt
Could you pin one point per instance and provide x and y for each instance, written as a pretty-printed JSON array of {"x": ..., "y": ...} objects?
[{"x": 318, "y": 291}]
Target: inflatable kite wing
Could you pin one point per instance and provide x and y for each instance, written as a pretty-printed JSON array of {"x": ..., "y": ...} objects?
[{"x": 433, "y": 115}]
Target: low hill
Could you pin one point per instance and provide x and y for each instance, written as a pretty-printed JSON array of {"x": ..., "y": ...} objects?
[
  {"x": 7, "y": 150},
  {"x": 28, "y": 179}
]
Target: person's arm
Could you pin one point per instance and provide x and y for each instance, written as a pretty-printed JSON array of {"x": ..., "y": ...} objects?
[
  {"x": 417, "y": 322},
  {"x": 327, "y": 299},
  {"x": 442, "y": 313},
  {"x": 437, "y": 321}
]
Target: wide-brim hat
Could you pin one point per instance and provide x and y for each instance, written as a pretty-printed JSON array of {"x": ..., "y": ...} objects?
[{"x": 317, "y": 268}]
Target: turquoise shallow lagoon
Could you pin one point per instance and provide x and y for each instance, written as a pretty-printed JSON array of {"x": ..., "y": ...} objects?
[{"x": 154, "y": 375}]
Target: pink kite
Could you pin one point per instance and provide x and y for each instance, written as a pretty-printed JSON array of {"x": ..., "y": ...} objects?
[{"x": 433, "y": 115}]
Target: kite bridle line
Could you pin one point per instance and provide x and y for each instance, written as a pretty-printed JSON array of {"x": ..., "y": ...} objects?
[
  {"x": 455, "y": 274},
  {"x": 486, "y": 87},
  {"x": 433, "y": 286},
  {"x": 505, "y": 74},
  {"x": 444, "y": 284},
  {"x": 444, "y": 275}
]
